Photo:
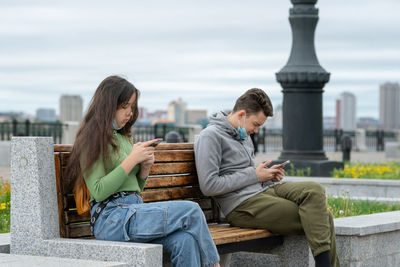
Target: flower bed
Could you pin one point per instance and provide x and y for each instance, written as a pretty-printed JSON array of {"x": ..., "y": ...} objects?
[
  {"x": 5, "y": 196},
  {"x": 389, "y": 170}
]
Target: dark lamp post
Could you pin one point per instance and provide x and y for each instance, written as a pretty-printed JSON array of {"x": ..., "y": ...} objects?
[{"x": 302, "y": 80}]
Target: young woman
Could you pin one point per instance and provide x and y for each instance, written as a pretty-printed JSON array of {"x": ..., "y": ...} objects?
[{"x": 115, "y": 171}]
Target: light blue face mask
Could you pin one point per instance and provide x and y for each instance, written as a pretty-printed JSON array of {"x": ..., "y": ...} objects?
[
  {"x": 115, "y": 125},
  {"x": 242, "y": 131}
]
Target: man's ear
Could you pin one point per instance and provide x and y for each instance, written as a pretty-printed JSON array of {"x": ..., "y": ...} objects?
[{"x": 241, "y": 113}]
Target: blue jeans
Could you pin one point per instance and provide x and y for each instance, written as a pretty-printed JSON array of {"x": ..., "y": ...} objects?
[{"x": 180, "y": 226}]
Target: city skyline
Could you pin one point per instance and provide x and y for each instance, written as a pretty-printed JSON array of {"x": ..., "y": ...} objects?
[{"x": 206, "y": 53}]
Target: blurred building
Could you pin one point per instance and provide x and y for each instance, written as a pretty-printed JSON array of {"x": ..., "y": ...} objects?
[
  {"x": 71, "y": 107},
  {"x": 389, "y": 105},
  {"x": 177, "y": 112},
  {"x": 275, "y": 122},
  {"x": 148, "y": 117},
  {"x": 346, "y": 112},
  {"x": 195, "y": 116},
  {"x": 367, "y": 123},
  {"x": 329, "y": 123},
  {"x": 46, "y": 114},
  {"x": 142, "y": 113}
]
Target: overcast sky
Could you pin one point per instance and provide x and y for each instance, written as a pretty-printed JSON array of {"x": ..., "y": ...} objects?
[{"x": 207, "y": 52}]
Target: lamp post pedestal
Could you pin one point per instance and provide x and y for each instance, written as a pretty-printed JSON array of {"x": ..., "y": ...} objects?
[{"x": 302, "y": 80}]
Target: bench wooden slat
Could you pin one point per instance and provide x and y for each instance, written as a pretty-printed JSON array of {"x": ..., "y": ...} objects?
[
  {"x": 69, "y": 203},
  {"x": 62, "y": 148},
  {"x": 57, "y": 163},
  {"x": 79, "y": 230},
  {"x": 72, "y": 216},
  {"x": 159, "y": 156},
  {"x": 175, "y": 146},
  {"x": 170, "y": 181},
  {"x": 173, "y": 155},
  {"x": 226, "y": 236},
  {"x": 162, "y": 146},
  {"x": 170, "y": 194},
  {"x": 173, "y": 168}
]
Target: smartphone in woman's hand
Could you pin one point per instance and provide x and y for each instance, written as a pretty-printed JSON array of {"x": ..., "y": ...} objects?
[{"x": 159, "y": 140}]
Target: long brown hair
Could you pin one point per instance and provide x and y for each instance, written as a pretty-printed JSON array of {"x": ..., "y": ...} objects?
[{"x": 95, "y": 133}]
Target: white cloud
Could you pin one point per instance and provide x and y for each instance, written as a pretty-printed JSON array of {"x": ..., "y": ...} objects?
[{"x": 207, "y": 52}]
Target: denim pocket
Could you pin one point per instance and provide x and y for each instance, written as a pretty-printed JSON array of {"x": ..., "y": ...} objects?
[{"x": 149, "y": 222}]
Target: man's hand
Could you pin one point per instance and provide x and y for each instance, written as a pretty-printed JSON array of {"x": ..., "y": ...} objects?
[{"x": 274, "y": 174}]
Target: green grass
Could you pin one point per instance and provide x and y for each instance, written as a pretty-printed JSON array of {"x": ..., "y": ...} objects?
[
  {"x": 297, "y": 172},
  {"x": 344, "y": 207}
]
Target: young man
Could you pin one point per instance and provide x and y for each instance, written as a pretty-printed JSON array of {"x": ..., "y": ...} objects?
[{"x": 250, "y": 196}]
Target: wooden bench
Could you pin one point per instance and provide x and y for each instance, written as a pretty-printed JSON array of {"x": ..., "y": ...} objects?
[{"x": 172, "y": 177}]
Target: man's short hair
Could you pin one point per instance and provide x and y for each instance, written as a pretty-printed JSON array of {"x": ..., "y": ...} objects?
[{"x": 254, "y": 101}]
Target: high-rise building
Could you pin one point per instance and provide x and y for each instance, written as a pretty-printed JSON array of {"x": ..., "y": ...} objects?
[
  {"x": 346, "y": 112},
  {"x": 389, "y": 105},
  {"x": 177, "y": 112},
  {"x": 46, "y": 114},
  {"x": 71, "y": 107},
  {"x": 337, "y": 119},
  {"x": 195, "y": 116}
]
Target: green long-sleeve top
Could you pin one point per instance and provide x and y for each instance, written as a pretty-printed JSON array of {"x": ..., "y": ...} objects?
[{"x": 103, "y": 182}]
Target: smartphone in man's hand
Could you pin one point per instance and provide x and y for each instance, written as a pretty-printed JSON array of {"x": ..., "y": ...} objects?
[{"x": 283, "y": 164}]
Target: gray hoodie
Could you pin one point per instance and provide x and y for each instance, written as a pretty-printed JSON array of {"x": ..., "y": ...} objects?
[{"x": 225, "y": 164}]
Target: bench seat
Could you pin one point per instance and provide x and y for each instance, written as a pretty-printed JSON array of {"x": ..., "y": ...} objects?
[{"x": 172, "y": 177}]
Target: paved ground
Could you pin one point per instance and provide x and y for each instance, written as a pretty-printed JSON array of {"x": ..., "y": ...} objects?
[{"x": 5, "y": 173}]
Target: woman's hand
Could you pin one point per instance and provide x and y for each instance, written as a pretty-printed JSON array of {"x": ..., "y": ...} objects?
[
  {"x": 264, "y": 174},
  {"x": 141, "y": 152}
]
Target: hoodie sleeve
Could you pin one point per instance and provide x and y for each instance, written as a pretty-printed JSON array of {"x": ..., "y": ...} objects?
[{"x": 208, "y": 156}]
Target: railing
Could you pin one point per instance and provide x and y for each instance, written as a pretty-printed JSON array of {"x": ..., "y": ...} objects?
[
  {"x": 27, "y": 128},
  {"x": 267, "y": 140},
  {"x": 148, "y": 132},
  {"x": 271, "y": 140}
]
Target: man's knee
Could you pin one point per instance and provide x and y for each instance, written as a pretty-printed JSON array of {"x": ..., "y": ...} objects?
[{"x": 316, "y": 188}]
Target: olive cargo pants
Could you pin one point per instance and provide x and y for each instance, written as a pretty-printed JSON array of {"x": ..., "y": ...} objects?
[{"x": 289, "y": 209}]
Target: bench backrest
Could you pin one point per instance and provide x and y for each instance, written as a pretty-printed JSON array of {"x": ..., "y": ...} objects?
[{"x": 172, "y": 177}]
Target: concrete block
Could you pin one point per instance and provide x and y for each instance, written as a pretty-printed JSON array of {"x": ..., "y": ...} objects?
[
  {"x": 248, "y": 259},
  {"x": 134, "y": 254},
  {"x": 368, "y": 224},
  {"x": 5, "y": 243},
  {"x": 369, "y": 240},
  {"x": 11, "y": 260},
  {"x": 392, "y": 149},
  {"x": 293, "y": 252},
  {"x": 34, "y": 214}
]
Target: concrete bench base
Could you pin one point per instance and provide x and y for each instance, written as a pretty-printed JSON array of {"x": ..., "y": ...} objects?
[
  {"x": 5, "y": 243},
  {"x": 12, "y": 260},
  {"x": 369, "y": 240}
]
